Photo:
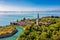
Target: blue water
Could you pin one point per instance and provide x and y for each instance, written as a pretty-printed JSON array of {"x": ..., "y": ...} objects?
[
  {"x": 6, "y": 18},
  {"x": 14, "y": 37}
]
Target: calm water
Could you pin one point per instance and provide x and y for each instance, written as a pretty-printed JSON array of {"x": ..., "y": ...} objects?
[
  {"x": 5, "y": 19},
  {"x": 15, "y": 35}
]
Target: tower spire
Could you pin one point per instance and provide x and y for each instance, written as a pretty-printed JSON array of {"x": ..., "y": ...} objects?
[{"x": 37, "y": 19}]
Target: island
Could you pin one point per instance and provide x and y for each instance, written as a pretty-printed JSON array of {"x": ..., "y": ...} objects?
[
  {"x": 45, "y": 28},
  {"x": 7, "y": 31}
]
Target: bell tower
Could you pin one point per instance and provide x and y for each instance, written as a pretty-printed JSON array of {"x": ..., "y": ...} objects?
[{"x": 37, "y": 19}]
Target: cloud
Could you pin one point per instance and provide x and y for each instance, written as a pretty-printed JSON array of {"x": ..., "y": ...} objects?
[{"x": 26, "y": 8}]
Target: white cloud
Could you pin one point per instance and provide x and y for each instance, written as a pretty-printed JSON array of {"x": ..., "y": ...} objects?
[{"x": 19, "y": 8}]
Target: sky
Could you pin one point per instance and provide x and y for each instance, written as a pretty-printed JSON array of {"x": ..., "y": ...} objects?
[{"x": 29, "y": 5}]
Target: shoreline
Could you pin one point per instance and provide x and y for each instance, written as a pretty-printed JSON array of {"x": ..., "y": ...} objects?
[
  {"x": 8, "y": 34},
  {"x": 21, "y": 32},
  {"x": 8, "y": 27},
  {"x": 19, "y": 35}
]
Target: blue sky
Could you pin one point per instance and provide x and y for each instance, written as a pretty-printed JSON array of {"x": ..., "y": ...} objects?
[
  {"x": 32, "y": 2},
  {"x": 29, "y": 5}
]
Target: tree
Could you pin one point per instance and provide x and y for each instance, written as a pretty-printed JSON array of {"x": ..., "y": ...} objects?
[{"x": 24, "y": 18}]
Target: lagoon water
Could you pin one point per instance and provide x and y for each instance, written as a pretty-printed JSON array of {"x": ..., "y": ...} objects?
[
  {"x": 14, "y": 37},
  {"x": 6, "y": 18}
]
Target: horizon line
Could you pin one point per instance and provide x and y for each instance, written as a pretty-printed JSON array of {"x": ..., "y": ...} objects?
[{"x": 29, "y": 11}]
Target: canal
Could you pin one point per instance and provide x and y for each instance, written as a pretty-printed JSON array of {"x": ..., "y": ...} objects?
[{"x": 15, "y": 35}]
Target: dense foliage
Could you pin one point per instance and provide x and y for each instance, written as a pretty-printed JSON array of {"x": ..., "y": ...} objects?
[{"x": 48, "y": 31}]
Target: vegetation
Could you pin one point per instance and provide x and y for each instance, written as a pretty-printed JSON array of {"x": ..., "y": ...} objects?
[
  {"x": 7, "y": 29},
  {"x": 49, "y": 31}
]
